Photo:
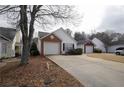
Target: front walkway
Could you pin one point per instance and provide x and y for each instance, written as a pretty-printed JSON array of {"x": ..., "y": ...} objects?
[{"x": 92, "y": 72}]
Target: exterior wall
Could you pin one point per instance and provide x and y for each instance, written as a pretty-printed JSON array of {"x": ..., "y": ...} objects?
[
  {"x": 13, "y": 46},
  {"x": 17, "y": 42},
  {"x": 10, "y": 51},
  {"x": 98, "y": 44},
  {"x": 8, "y": 47},
  {"x": 39, "y": 45},
  {"x": 112, "y": 49},
  {"x": 65, "y": 38},
  {"x": 18, "y": 36}
]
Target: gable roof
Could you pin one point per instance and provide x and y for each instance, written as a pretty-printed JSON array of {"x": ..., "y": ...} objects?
[
  {"x": 3, "y": 39},
  {"x": 42, "y": 34},
  {"x": 87, "y": 42},
  {"x": 45, "y": 34},
  {"x": 61, "y": 29},
  {"x": 95, "y": 40},
  {"x": 8, "y": 33}
]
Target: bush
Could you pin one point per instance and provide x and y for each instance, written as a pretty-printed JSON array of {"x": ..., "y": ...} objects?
[
  {"x": 77, "y": 51},
  {"x": 96, "y": 50},
  {"x": 17, "y": 54},
  {"x": 34, "y": 51}
]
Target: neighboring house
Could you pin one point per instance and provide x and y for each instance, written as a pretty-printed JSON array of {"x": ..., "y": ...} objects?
[
  {"x": 57, "y": 42},
  {"x": 111, "y": 49},
  {"x": 8, "y": 39},
  {"x": 17, "y": 43},
  {"x": 98, "y": 44},
  {"x": 86, "y": 45}
]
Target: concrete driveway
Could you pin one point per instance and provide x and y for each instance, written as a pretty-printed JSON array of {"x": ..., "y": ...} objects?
[{"x": 92, "y": 72}]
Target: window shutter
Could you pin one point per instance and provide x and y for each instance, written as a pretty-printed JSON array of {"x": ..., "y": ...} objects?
[
  {"x": 63, "y": 46},
  {"x": 73, "y": 46}
]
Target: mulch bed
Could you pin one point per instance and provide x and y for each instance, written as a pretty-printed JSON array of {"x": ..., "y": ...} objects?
[{"x": 36, "y": 74}]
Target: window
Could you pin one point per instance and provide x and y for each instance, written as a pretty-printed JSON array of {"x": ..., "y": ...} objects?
[{"x": 68, "y": 46}]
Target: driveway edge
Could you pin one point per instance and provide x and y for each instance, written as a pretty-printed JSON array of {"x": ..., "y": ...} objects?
[{"x": 64, "y": 69}]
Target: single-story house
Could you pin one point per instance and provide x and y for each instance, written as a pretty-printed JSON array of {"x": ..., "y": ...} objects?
[
  {"x": 57, "y": 42},
  {"x": 111, "y": 49},
  {"x": 9, "y": 38},
  {"x": 86, "y": 45},
  {"x": 115, "y": 44},
  {"x": 98, "y": 44}
]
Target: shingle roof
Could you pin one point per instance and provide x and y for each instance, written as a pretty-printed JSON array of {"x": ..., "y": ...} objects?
[
  {"x": 42, "y": 34},
  {"x": 3, "y": 39},
  {"x": 8, "y": 32},
  {"x": 88, "y": 42}
]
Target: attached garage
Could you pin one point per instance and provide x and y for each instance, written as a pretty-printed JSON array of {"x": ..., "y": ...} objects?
[
  {"x": 50, "y": 45},
  {"x": 88, "y": 47},
  {"x": 51, "y": 48}
]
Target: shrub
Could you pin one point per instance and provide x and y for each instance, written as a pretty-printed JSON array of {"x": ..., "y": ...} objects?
[
  {"x": 17, "y": 54},
  {"x": 34, "y": 51},
  {"x": 96, "y": 50},
  {"x": 77, "y": 51}
]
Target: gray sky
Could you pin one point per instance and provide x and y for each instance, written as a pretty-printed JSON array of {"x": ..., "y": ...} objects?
[
  {"x": 99, "y": 17},
  {"x": 113, "y": 19}
]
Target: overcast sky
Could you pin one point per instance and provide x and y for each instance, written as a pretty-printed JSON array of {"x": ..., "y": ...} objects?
[
  {"x": 113, "y": 19},
  {"x": 95, "y": 17}
]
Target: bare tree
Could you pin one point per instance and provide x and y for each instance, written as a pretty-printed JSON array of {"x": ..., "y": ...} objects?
[
  {"x": 26, "y": 16},
  {"x": 80, "y": 36}
]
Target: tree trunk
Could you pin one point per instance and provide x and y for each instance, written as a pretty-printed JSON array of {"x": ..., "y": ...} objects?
[
  {"x": 24, "y": 30},
  {"x": 106, "y": 48},
  {"x": 25, "y": 53},
  {"x": 27, "y": 32}
]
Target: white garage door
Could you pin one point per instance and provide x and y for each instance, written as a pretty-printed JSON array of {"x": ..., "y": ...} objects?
[
  {"x": 89, "y": 49},
  {"x": 51, "y": 48}
]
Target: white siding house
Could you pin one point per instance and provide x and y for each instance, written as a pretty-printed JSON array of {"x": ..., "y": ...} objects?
[
  {"x": 98, "y": 44},
  {"x": 67, "y": 40},
  {"x": 57, "y": 42},
  {"x": 112, "y": 48},
  {"x": 86, "y": 45},
  {"x": 6, "y": 48},
  {"x": 8, "y": 40}
]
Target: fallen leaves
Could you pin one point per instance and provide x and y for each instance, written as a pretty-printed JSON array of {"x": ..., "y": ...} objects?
[{"x": 36, "y": 74}]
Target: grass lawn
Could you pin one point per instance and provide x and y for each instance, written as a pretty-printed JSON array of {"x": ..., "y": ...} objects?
[
  {"x": 111, "y": 57},
  {"x": 36, "y": 74}
]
